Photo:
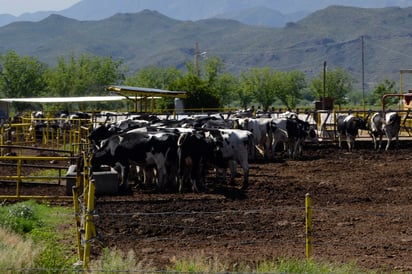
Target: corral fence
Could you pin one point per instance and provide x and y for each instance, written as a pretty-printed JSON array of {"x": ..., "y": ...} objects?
[{"x": 51, "y": 133}]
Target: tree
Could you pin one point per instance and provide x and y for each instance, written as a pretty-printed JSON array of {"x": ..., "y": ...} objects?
[
  {"x": 22, "y": 77},
  {"x": 154, "y": 77},
  {"x": 226, "y": 87},
  {"x": 337, "y": 85},
  {"x": 84, "y": 76},
  {"x": 258, "y": 83},
  {"x": 289, "y": 87},
  {"x": 212, "y": 67},
  {"x": 199, "y": 93},
  {"x": 385, "y": 87}
]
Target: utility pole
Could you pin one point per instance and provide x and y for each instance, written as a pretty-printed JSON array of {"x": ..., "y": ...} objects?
[
  {"x": 363, "y": 73},
  {"x": 324, "y": 85},
  {"x": 196, "y": 60}
]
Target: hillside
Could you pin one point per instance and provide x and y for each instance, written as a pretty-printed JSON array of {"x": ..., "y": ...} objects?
[{"x": 150, "y": 38}]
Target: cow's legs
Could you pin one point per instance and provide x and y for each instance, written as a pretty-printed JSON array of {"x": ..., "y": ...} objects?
[
  {"x": 340, "y": 140},
  {"x": 349, "y": 141},
  {"x": 233, "y": 170},
  {"x": 124, "y": 172},
  {"x": 245, "y": 167}
]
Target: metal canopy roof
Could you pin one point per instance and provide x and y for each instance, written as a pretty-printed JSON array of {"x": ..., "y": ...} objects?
[{"x": 130, "y": 91}]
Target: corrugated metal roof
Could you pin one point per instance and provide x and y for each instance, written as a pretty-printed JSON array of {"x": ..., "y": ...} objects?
[{"x": 145, "y": 92}]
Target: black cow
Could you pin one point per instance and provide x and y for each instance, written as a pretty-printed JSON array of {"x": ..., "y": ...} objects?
[
  {"x": 194, "y": 152},
  {"x": 349, "y": 126}
]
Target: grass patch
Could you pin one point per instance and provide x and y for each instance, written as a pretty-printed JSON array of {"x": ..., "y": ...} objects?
[
  {"x": 16, "y": 252},
  {"x": 116, "y": 261},
  {"x": 46, "y": 176},
  {"x": 44, "y": 236}
]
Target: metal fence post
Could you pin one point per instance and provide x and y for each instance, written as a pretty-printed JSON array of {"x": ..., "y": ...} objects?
[{"x": 308, "y": 209}]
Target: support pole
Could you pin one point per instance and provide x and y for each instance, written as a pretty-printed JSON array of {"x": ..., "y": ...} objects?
[
  {"x": 308, "y": 209},
  {"x": 80, "y": 250},
  {"x": 90, "y": 229}
]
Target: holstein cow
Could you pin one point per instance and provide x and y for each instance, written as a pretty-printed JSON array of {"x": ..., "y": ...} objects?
[
  {"x": 142, "y": 148},
  {"x": 348, "y": 126},
  {"x": 292, "y": 132},
  {"x": 388, "y": 124},
  {"x": 37, "y": 126},
  {"x": 261, "y": 128},
  {"x": 194, "y": 152},
  {"x": 232, "y": 147}
]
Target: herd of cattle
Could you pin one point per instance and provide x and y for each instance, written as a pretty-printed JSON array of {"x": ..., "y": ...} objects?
[{"x": 177, "y": 154}]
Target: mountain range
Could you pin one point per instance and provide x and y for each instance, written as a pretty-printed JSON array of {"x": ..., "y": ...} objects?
[
  {"x": 253, "y": 12},
  {"x": 149, "y": 38}
]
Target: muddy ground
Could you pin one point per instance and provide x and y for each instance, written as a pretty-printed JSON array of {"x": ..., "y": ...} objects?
[{"x": 362, "y": 212}]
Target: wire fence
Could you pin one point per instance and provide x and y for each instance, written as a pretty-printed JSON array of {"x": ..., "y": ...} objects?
[{"x": 334, "y": 229}]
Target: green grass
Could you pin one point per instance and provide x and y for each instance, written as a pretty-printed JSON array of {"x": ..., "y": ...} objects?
[
  {"x": 52, "y": 174},
  {"x": 42, "y": 236}
]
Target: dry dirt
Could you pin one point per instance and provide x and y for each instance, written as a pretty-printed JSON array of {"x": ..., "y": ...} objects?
[{"x": 362, "y": 212}]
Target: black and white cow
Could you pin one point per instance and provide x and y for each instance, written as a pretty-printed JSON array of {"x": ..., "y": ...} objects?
[
  {"x": 348, "y": 126},
  {"x": 38, "y": 126},
  {"x": 218, "y": 148},
  {"x": 261, "y": 128},
  {"x": 292, "y": 132},
  {"x": 232, "y": 147},
  {"x": 387, "y": 124},
  {"x": 159, "y": 150}
]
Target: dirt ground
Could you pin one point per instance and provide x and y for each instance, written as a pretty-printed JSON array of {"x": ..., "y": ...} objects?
[{"x": 361, "y": 201}]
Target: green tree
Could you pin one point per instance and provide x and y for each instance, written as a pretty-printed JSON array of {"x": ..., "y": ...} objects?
[
  {"x": 155, "y": 77},
  {"x": 289, "y": 87},
  {"x": 22, "y": 77},
  {"x": 199, "y": 93},
  {"x": 337, "y": 85},
  {"x": 84, "y": 76},
  {"x": 385, "y": 87},
  {"x": 226, "y": 87},
  {"x": 212, "y": 67},
  {"x": 258, "y": 84}
]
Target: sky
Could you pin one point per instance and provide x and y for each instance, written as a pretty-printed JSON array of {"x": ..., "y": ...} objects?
[{"x": 18, "y": 7}]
